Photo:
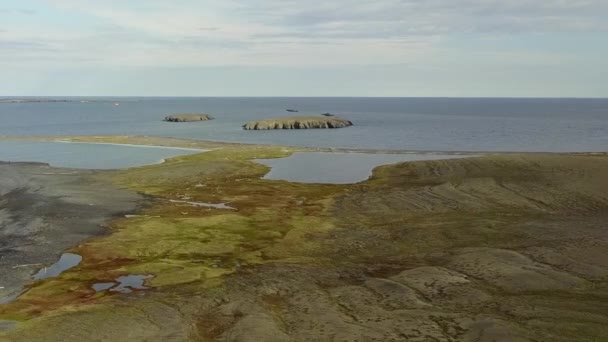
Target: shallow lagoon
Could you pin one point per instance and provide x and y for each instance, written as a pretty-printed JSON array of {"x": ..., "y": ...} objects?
[
  {"x": 88, "y": 155},
  {"x": 338, "y": 168}
]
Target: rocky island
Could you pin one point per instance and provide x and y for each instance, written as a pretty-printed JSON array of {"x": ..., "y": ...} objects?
[
  {"x": 188, "y": 117},
  {"x": 298, "y": 122}
]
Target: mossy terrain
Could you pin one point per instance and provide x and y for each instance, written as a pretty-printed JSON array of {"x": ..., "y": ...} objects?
[{"x": 492, "y": 248}]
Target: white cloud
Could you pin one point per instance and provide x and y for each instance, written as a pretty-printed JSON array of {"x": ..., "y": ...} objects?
[
  {"x": 407, "y": 17},
  {"x": 280, "y": 32}
]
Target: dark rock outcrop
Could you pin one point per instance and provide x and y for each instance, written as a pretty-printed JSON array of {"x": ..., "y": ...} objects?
[
  {"x": 298, "y": 122},
  {"x": 188, "y": 117}
]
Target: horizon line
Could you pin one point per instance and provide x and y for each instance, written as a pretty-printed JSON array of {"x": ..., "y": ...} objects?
[{"x": 295, "y": 96}]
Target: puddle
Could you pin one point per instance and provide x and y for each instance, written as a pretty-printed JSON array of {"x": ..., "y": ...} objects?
[
  {"x": 206, "y": 205},
  {"x": 7, "y": 325},
  {"x": 338, "y": 168},
  {"x": 131, "y": 282},
  {"x": 103, "y": 286},
  {"x": 140, "y": 216},
  {"x": 125, "y": 284},
  {"x": 67, "y": 261}
]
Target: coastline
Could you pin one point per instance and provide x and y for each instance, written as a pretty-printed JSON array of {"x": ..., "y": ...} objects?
[
  {"x": 132, "y": 159},
  {"x": 49, "y": 207},
  {"x": 473, "y": 229},
  {"x": 131, "y": 145},
  {"x": 193, "y": 144}
]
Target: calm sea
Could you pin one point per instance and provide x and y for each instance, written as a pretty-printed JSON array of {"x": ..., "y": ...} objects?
[{"x": 431, "y": 124}]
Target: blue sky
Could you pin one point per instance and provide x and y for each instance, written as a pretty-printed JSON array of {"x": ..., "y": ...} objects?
[{"x": 304, "y": 48}]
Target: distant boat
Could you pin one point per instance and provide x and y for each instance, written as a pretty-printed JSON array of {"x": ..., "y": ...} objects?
[
  {"x": 292, "y": 110},
  {"x": 117, "y": 104},
  {"x": 327, "y": 114}
]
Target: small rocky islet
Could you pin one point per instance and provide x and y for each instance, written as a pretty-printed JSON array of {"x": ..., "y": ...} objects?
[
  {"x": 326, "y": 121},
  {"x": 187, "y": 117},
  {"x": 298, "y": 122}
]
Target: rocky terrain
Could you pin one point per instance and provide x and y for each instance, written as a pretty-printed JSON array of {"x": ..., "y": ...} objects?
[
  {"x": 298, "y": 122},
  {"x": 44, "y": 211},
  {"x": 492, "y": 248},
  {"x": 188, "y": 117}
]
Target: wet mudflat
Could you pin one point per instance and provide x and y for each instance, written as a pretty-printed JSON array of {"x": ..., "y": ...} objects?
[{"x": 45, "y": 211}]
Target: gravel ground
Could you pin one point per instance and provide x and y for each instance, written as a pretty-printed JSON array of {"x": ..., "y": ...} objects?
[{"x": 44, "y": 211}]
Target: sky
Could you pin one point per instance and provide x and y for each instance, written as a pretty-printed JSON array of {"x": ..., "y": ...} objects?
[{"x": 407, "y": 48}]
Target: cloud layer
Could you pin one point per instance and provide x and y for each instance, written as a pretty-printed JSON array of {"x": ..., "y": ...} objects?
[
  {"x": 424, "y": 46},
  {"x": 270, "y": 32}
]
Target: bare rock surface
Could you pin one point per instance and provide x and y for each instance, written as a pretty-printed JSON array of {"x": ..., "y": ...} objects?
[
  {"x": 298, "y": 122},
  {"x": 512, "y": 271},
  {"x": 188, "y": 117}
]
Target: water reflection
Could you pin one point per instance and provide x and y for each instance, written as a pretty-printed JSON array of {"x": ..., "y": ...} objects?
[
  {"x": 124, "y": 284},
  {"x": 338, "y": 168},
  {"x": 67, "y": 261},
  {"x": 88, "y": 155}
]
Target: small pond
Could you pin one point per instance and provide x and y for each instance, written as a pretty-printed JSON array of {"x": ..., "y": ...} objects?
[
  {"x": 338, "y": 168},
  {"x": 124, "y": 284},
  {"x": 67, "y": 261}
]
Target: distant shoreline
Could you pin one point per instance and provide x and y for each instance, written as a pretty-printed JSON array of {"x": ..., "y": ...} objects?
[
  {"x": 160, "y": 154},
  {"x": 60, "y": 100},
  {"x": 303, "y": 97},
  {"x": 201, "y": 145},
  {"x": 131, "y": 145}
]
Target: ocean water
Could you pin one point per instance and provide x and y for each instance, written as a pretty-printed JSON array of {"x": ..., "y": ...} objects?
[{"x": 425, "y": 124}]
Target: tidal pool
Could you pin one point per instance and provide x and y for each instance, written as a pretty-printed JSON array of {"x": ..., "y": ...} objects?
[
  {"x": 67, "y": 261},
  {"x": 88, "y": 155},
  {"x": 338, "y": 168}
]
